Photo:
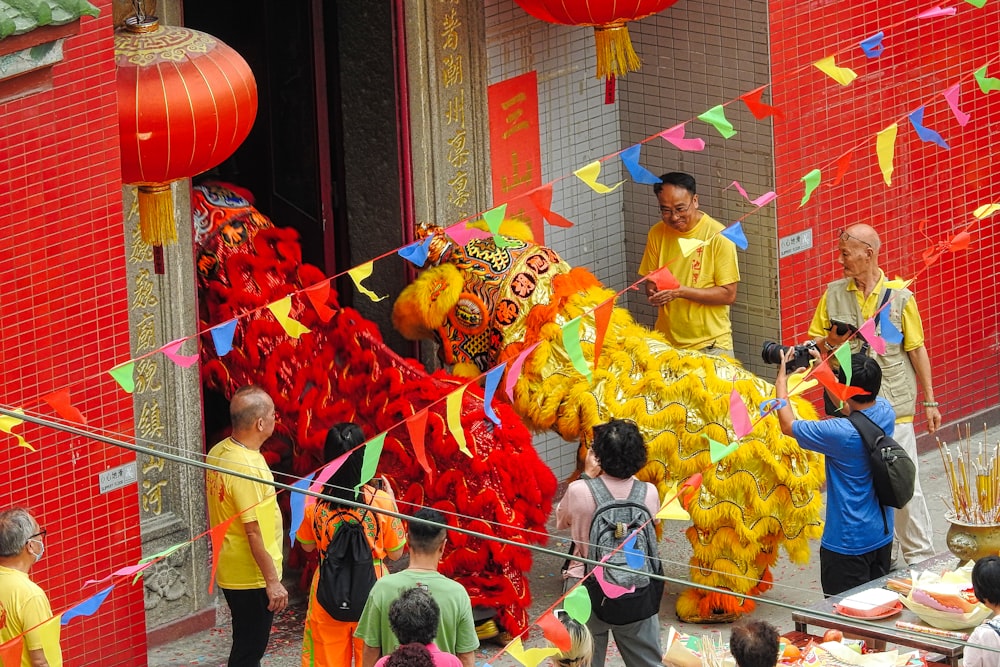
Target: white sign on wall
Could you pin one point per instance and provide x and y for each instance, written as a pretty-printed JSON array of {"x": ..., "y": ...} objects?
[
  {"x": 793, "y": 243},
  {"x": 116, "y": 478}
]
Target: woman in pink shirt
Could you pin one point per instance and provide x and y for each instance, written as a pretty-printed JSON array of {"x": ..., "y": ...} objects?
[{"x": 414, "y": 618}]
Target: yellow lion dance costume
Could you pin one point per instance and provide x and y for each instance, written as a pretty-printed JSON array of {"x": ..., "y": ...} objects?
[{"x": 485, "y": 304}]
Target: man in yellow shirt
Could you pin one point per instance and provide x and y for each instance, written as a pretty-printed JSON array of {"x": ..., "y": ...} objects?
[
  {"x": 689, "y": 242},
  {"x": 24, "y": 608},
  {"x": 847, "y": 304},
  {"x": 249, "y": 569}
]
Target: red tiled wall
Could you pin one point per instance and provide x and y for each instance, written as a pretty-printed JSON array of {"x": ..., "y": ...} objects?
[
  {"x": 957, "y": 295},
  {"x": 64, "y": 322}
]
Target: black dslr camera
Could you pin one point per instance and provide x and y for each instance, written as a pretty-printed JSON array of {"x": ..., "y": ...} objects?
[{"x": 772, "y": 353}]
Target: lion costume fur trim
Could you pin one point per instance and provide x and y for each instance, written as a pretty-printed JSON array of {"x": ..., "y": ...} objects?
[{"x": 424, "y": 304}]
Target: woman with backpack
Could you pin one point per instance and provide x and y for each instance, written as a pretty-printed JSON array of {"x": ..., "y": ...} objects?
[{"x": 328, "y": 639}]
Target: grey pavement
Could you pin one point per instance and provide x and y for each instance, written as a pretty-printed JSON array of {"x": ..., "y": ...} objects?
[{"x": 795, "y": 586}]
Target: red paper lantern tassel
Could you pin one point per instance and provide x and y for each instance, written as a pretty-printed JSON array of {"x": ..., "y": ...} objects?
[
  {"x": 156, "y": 214},
  {"x": 615, "y": 55}
]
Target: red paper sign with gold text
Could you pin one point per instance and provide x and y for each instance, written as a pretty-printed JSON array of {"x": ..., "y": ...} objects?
[{"x": 515, "y": 147}]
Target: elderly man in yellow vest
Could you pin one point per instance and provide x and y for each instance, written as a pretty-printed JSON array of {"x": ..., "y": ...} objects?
[{"x": 845, "y": 306}]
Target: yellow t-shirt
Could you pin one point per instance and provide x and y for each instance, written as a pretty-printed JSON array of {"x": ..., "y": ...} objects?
[
  {"x": 686, "y": 324},
  {"x": 23, "y": 606},
  {"x": 227, "y": 496}
]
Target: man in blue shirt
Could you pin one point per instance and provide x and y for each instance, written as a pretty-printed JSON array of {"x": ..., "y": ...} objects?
[{"x": 857, "y": 540}]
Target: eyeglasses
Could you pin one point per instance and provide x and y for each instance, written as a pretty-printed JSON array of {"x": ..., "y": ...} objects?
[
  {"x": 40, "y": 535},
  {"x": 844, "y": 235},
  {"x": 671, "y": 212}
]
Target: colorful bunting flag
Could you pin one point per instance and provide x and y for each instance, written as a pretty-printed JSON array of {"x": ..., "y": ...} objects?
[
  {"x": 935, "y": 12},
  {"x": 222, "y": 337},
  {"x": 978, "y": 4},
  {"x": 841, "y": 75},
  {"x": 888, "y": 329},
  {"x": 369, "y": 465},
  {"x": 494, "y": 218},
  {"x": 7, "y": 423},
  {"x": 885, "y": 148},
  {"x": 872, "y": 46},
  {"x": 11, "y": 652},
  {"x": 759, "y": 201},
  {"x": 416, "y": 426},
  {"x": 772, "y": 405},
  {"x": 867, "y": 331},
  {"x": 461, "y": 233},
  {"x": 326, "y": 472},
  {"x": 122, "y": 572},
  {"x": 554, "y": 631},
  {"x": 297, "y": 506},
  {"x": 986, "y": 83},
  {"x": 87, "y": 607},
  {"x": 529, "y": 657},
  {"x": 985, "y": 210},
  {"x": 959, "y": 242},
  {"x": 663, "y": 279},
  {"x": 718, "y": 451},
  {"x": 602, "y": 318},
  {"x": 577, "y": 604},
  {"x": 739, "y": 415},
  {"x": 542, "y": 200},
  {"x": 825, "y": 377},
  {"x": 514, "y": 371},
  {"x": 633, "y": 557},
  {"x": 319, "y": 294},
  {"x": 734, "y": 233},
  {"x": 688, "y": 246},
  {"x": 689, "y": 489},
  {"x": 671, "y": 509},
  {"x": 49, "y": 633},
  {"x": 760, "y": 110},
  {"x": 454, "y": 413},
  {"x": 675, "y": 136},
  {"x": 951, "y": 95},
  {"x": 60, "y": 402},
  {"x": 359, "y": 274},
  {"x": 926, "y": 134},
  {"x": 811, "y": 181},
  {"x": 589, "y": 174},
  {"x": 716, "y": 117},
  {"x": 492, "y": 381},
  {"x": 571, "y": 342},
  {"x": 218, "y": 536},
  {"x": 798, "y": 383},
  {"x": 416, "y": 253},
  {"x": 123, "y": 376},
  {"x": 281, "y": 309},
  {"x": 843, "y": 355},
  {"x": 610, "y": 589},
  {"x": 172, "y": 352},
  {"x": 639, "y": 174}
]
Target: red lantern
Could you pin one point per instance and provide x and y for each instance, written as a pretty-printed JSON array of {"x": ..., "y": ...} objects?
[
  {"x": 186, "y": 101},
  {"x": 615, "y": 55}
]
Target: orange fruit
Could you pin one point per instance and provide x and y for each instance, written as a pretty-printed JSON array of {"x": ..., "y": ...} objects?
[{"x": 791, "y": 653}]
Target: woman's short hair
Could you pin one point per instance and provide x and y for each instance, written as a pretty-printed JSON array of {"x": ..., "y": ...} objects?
[
  {"x": 754, "y": 644},
  {"x": 581, "y": 649},
  {"x": 410, "y": 655},
  {"x": 986, "y": 579},
  {"x": 414, "y": 616},
  {"x": 619, "y": 447}
]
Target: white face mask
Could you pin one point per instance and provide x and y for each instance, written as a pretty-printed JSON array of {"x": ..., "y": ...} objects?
[{"x": 41, "y": 549}]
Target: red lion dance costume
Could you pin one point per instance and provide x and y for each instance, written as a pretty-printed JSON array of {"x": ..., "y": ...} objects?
[{"x": 342, "y": 371}]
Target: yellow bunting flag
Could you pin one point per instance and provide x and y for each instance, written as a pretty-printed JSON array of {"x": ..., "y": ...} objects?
[
  {"x": 985, "y": 210},
  {"x": 688, "y": 246},
  {"x": 798, "y": 384},
  {"x": 671, "y": 509},
  {"x": 359, "y": 273},
  {"x": 280, "y": 309},
  {"x": 529, "y": 657},
  {"x": 123, "y": 376},
  {"x": 589, "y": 176},
  {"x": 49, "y": 634},
  {"x": 885, "y": 147},
  {"x": 454, "y": 405},
  {"x": 898, "y": 283},
  {"x": 841, "y": 75},
  {"x": 7, "y": 423}
]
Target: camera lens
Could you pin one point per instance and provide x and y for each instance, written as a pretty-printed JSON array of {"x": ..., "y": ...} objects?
[{"x": 771, "y": 352}]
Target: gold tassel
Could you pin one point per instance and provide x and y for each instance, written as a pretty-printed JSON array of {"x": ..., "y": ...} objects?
[
  {"x": 615, "y": 54},
  {"x": 156, "y": 215}
]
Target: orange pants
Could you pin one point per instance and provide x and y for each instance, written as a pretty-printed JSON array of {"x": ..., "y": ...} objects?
[{"x": 327, "y": 642}]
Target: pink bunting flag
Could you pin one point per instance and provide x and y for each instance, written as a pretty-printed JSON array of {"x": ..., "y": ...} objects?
[
  {"x": 327, "y": 472},
  {"x": 675, "y": 135},
  {"x": 935, "y": 12},
  {"x": 60, "y": 402},
  {"x": 461, "y": 233},
  {"x": 416, "y": 426},
  {"x": 867, "y": 331},
  {"x": 319, "y": 295},
  {"x": 122, "y": 572},
  {"x": 602, "y": 317},
  {"x": 611, "y": 590},
  {"x": 218, "y": 534},
  {"x": 172, "y": 352},
  {"x": 554, "y": 630},
  {"x": 759, "y": 201},
  {"x": 541, "y": 198},
  {"x": 951, "y": 95},
  {"x": 514, "y": 371},
  {"x": 739, "y": 415}
]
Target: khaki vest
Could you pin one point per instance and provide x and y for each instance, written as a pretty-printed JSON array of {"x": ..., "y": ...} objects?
[{"x": 899, "y": 381}]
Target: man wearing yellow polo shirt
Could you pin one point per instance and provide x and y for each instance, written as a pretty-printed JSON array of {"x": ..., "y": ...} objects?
[
  {"x": 249, "y": 569},
  {"x": 845, "y": 306}
]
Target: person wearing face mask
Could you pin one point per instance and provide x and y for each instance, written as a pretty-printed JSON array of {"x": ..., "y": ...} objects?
[{"x": 23, "y": 604}]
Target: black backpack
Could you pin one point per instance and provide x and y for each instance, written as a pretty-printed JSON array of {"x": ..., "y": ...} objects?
[
  {"x": 893, "y": 471},
  {"x": 613, "y": 522},
  {"x": 346, "y": 569}
]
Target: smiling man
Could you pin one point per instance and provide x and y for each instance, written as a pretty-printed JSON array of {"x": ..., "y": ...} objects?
[{"x": 695, "y": 315}]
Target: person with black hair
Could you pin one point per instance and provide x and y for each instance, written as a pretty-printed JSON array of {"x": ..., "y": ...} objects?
[
  {"x": 986, "y": 586},
  {"x": 326, "y": 641},
  {"x": 456, "y": 631},
  {"x": 857, "y": 540},
  {"x": 414, "y": 618},
  {"x": 754, "y": 644},
  {"x": 695, "y": 314},
  {"x": 621, "y": 453}
]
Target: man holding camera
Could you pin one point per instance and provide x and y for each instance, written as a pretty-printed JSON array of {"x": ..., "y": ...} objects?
[{"x": 845, "y": 306}]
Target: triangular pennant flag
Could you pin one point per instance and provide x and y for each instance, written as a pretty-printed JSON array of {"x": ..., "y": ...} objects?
[
  {"x": 416, "y": 253},
  {"x": 986, "y": 83},
  {"x": 716, "y": 117},
  {"x": 843, "y": 355},
  {"x": 529, "y": 657},
  {"x": 689, "y": 489},
  {"x": 926, "y": 134},
  {"x": 589, "y": 174},
  {"x": 280, "y": 310},
  {"x": 843, "y": 162},
  {"x": 222, "y": 337},
  {"x": 978, "y": 4},
  {"x": 798, "y": 383},
  {"x": 760, "y": 110},
  {"x": 841, "y": 75},
  {"x": 739, "y": 415},
  {"x": 416, "y": 426},
  {"x": 454, "y": 413},
  {"x": 60, "y": 402},
  {"x": 359, "y": 274},
  {"x": 494, "y": 218},
  {"x": 639, "y": 174},
  {"x": 872, "y": 46},
  {"x": 123, "y": 572},
  {"x": 172, "y": 352},
  {"x": 935, "y": 12},
  {"x": 7, "y": 423},
  {"x": 11, "y": 651},
  {"x": 688, "y": 246},
  {"x": 959, "y": 242},
  {"x": 319, "y": 294},
  {"x": 675, "y": 136},
  {"x": 888, "y": 329},
  {"x": 610, "y": 589},
  {"x": 663, "y": 279},
  {"x": 326, "y": 472},
  {"x": 542, "y": 199},
  {"x": 772, "y": 405},
  {"x": 166, "y": 552},
  {"x": 734, "y": 233},
  {"x": 218, "y": 536},
  {"x": 87, "y": 607},
  {"x": 985, "y": 210},
  {"x": 951, "y": 95},
  {"x": 825, "y": 377},
  {"x": 867, "y": 331},
  {"x": 633, "y": 557},
  {"x": 492, "y": 381},
  {"x": 718, "y": 451},
  {"x": 885, "y": 148},
  {"x": 297, "y": 506},
  {"x": 811, "y": 181},
  {"x": 765, "y": 198},
  {"x": 671, "y": 509},
  {"x": 898, "y": 283},
  {"x": 577, "y": 604},
  {"x": 514, "y": 371},
  {"x": 571, "y": 342},
  {"x": 602, "y": 318},
  {"x": 369, "y": 465},
  {"x": 461, "y": 233},
  {"x": 555, "y": 631},
  {"x": 123, "y": 376}
]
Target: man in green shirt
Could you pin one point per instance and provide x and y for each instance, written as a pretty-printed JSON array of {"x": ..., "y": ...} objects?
[{"x": 456, "y": 631}]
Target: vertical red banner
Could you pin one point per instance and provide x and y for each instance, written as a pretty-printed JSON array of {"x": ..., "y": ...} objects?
[{"x": 515, "y": 147}]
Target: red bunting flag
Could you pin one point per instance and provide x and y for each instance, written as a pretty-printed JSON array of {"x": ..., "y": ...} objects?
[
  {"x": 826, "y": 378},
  {"x": 541, "y": 198},
  {"x": 843, "y": 163},
  {"x": 555, "y": 631},
  {"x": 318, "y": 295},
  {"x": 602, "y": 317},
  {"x": 663, "y": 279},
  {"x": 416, "y": 425},
  {"x": 759, "y": 109},
  {"x": 10, "y": 652},
  {"x": 218, "y": 534},
  {"x": 689, "y": 490},
  {"x": 959, "y": 242},
  {"x": 60, "y": 402}
]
